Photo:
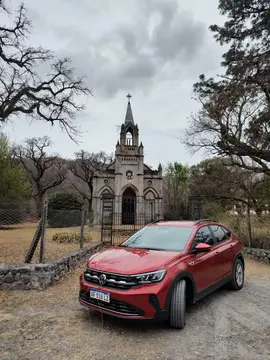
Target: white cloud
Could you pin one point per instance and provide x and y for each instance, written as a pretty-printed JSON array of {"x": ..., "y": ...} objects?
[{"x": 153, "y": 48}]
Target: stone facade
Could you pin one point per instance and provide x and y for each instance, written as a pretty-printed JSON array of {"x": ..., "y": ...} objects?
[
  {"x": 40, "y": 276},
  {"x": 260, "y": 255},
  {"x": 128, "y": 188}
]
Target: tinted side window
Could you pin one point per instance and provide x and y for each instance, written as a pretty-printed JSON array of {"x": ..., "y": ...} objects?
[
  {"x": 227, "y": 233},
  {"x": 203, "y": 235},
  {"x": 219, "y": 233}
]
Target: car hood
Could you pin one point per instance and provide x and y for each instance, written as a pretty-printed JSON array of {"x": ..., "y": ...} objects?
[{"x": 121, "y": 260}]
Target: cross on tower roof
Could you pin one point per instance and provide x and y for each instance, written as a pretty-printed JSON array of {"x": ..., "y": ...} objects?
[{"x": 129, "y": 115}]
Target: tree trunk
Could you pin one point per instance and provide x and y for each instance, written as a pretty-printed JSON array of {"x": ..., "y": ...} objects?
[
  {"x": 249, "y": 224},
  {"x": 90, "y": 204},
  {"x": 39, "y": 202}
]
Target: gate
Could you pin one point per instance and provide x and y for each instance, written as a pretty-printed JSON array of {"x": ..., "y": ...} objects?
[
  {"x": 121, "y": 220},
  {"x": 107, "y": 219},
  {"x": 118, "y": 226},
  {"x": 195, "y": 207}
]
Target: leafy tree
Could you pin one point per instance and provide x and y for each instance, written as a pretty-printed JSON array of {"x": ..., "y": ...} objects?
[
  {"x": 216, "y": 180},
  {"x": 211, "y": 180},
  {"x": 247, "y": 32},
  {"x": 52, "y": 97},
  {"x": 261, "y": 194},
  {"x": 176, "y": 190},
  {"x": 45, "y": 171},
  {"x": 235, "y": 110},
  {"x": 14, "y": 184},
  {"x": 64, "y": 201}
]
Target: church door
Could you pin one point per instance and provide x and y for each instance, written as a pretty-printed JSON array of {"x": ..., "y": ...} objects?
[{"x": 128, "y": 207}]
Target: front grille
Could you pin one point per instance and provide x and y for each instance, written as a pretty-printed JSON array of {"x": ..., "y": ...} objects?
[
  {"x": 114, "y": 281},
  {"x": 117, "y": 306}
]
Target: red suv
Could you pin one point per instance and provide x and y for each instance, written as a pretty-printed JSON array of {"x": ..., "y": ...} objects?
[{"x": 161, "y": 268}]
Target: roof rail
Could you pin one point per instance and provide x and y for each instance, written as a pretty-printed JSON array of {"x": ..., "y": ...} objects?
[
  {"x": 156, "y": 221},
  {"x": 203, "y": 220}
]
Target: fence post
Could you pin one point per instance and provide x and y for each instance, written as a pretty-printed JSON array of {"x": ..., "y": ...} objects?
[
  {"x": 43, "y": 231},
  {"x": 82, "y": 227}
]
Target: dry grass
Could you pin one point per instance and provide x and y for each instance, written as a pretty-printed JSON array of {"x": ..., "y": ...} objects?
[
  {"x": 259, "y": 226},
  {"x": 15, "y": 242},
  {"x": 260, "y": 229},
  {"x": 255, "y": 268}
]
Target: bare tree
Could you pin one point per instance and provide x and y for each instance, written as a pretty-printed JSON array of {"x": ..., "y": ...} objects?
[
  {"x": 51, "y": 98},
  {"x": 85, "y": 167},
  {"x": 45, "y": 172},
  {"x": 232, "y": 123}
]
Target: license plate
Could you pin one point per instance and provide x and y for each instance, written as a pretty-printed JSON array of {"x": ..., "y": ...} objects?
[{"x": 100, "y": 295}]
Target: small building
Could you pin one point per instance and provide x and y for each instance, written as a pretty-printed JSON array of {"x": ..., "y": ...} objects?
[{"x": 129, "y": 191}]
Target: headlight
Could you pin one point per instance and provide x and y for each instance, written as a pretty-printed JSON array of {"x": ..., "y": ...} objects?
[{"x": 151, "y": 277}]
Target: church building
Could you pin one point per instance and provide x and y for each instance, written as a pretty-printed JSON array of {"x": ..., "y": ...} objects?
[{"x": 129, "y": 192}]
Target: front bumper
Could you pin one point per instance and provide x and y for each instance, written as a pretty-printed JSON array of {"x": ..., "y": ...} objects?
[{"x": 142, "y": 302}]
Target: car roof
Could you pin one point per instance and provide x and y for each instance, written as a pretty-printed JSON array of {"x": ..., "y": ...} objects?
[{"x": 181, "y": 223}]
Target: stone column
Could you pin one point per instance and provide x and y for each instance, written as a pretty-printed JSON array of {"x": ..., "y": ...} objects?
[{"x": 96, "y": 211}]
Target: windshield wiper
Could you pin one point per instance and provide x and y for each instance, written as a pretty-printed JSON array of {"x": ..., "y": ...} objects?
[
  {"x": 148, "y": 248},
  {"x": 143, "y": 248}
]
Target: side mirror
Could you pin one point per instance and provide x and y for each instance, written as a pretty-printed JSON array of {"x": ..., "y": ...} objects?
[{"x": 202, "y": 248}]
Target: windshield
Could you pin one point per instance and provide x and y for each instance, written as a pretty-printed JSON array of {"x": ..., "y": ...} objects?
[{"x": 169, "y": 238}]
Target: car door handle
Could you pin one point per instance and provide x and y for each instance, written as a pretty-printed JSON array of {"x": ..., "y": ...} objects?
[{"x": 217, "y": 252}]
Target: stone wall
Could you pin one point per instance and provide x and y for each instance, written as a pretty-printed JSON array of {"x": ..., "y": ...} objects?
[
  {"x": 258, "y": 255},
  {"x": 40, "y": 276}
]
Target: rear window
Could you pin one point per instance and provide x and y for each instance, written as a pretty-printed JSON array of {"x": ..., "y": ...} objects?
[{"x": 169, "y": 238}]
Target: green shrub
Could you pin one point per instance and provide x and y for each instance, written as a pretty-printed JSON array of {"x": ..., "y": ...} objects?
[
  {"x": 64, "y": 218},
  {"x": 64, "y": 201},
  {"x": 64, "y": 210},
  {"x": 69, "y": 238}
]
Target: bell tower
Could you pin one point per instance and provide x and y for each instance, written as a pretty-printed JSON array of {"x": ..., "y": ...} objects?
[
  {"x": 129, "y": 155},
  {"x": 129, "y": 136}
]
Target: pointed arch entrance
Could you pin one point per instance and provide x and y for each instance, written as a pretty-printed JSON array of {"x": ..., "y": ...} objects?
[{"x": 128, "y": 206}]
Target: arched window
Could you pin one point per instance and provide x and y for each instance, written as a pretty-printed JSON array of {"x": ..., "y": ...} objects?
[{"x": 129, "y": 138}]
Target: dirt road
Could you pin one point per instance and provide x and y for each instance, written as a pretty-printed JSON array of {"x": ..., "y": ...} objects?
[{"x": 51, "y": 325}]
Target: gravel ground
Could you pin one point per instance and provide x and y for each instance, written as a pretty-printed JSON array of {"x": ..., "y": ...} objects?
[{"x": 51, "y": 324}]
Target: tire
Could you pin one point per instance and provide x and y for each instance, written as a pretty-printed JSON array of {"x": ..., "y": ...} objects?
[
  {"x": 238, "y": 276},
  {"x": 178, "y": 306}
]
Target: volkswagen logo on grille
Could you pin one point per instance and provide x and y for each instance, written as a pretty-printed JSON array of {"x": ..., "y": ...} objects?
[{"x": 102, "y": 279}]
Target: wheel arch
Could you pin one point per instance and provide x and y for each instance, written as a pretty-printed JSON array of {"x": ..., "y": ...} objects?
[
  {"x": 191, "y": 287},
  {"x": 240, "y": 256}
]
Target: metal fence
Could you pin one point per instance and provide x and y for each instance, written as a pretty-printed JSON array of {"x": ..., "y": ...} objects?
[
  {"x": 28, "y": 235},
  {"x": 115, "y": 227}
]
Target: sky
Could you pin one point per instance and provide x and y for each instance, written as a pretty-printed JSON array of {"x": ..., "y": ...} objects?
[{"x": 153, "y": 49}]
